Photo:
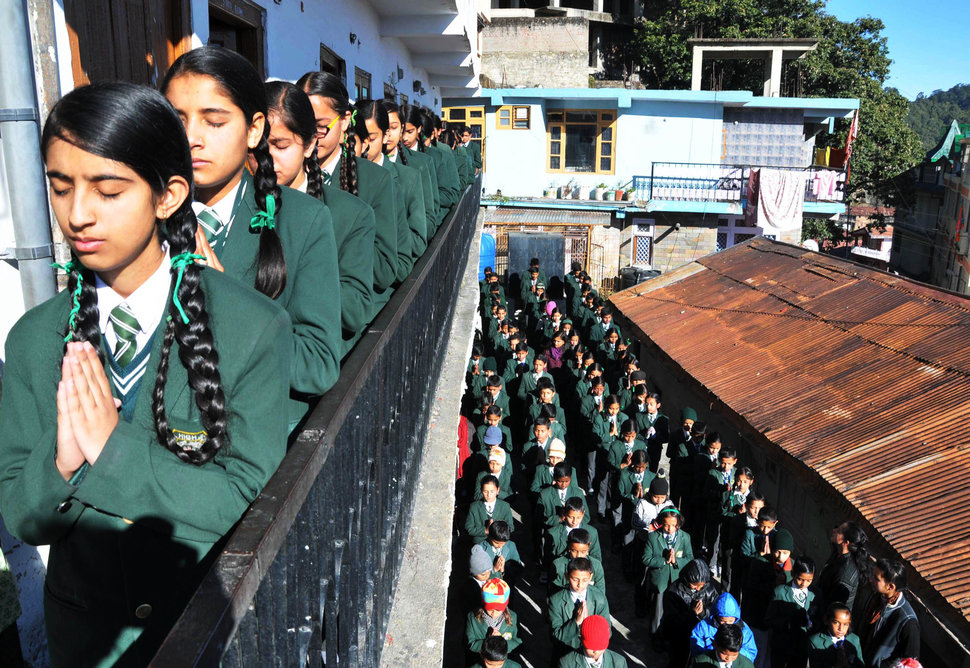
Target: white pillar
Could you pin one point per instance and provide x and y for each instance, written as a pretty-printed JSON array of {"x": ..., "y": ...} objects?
[
  {"x": 775, "y": 77},
  {"x": 697, "y": 68},
  {"x": 598, "y": 5}
]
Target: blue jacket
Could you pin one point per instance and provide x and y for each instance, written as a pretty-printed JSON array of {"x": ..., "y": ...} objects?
[{"x": 702, "y": 637}]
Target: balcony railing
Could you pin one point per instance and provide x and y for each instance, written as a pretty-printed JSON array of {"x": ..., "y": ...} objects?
[
  {"x": 705, "y": 182},
  {"x": 310, "y": 570}
]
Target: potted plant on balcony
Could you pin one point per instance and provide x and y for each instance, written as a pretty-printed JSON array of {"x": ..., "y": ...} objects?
[
  {"x": 581, "y": 192},
  {"x": 598, "y": 193},
  {"x": 628, "y": 194},
  {"x": 551, "y": 192},
  {"x": 618, "y": 193},
  {"x": 608, "y": 194}
]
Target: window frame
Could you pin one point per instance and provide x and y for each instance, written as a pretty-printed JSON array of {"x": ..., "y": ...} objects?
[
  {"x": 513, "y": 110},
  {"x": 359, "y": 76},
  {"x": 606, "y": 119}
]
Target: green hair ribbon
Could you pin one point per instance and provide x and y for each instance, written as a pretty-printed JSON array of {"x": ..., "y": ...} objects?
[
  {"x": 179, "y": 263},
  {"x": 265, "y": 218},
  {"x": 69, "y": 267}
]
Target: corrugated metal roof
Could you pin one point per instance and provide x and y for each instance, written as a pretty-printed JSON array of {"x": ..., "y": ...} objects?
[
  {"x": 861, "y": 375},
  {"x": 561, "y": 216}
]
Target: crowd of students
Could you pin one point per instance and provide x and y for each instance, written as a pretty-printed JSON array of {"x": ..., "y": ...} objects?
[
  {"x": 230, "y": 241},
  {"x": 568, "y": 432}
]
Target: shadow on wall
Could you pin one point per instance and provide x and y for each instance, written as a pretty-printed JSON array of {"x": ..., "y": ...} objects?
[{"x": 29, "y": 566}]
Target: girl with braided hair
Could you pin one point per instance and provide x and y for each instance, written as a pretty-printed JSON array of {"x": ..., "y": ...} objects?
[
  {"x": 293, "y": 147},
  {"x": 337, "y": 155},
  {"x": 281, "y": 241},
  {"x": 129, "y": 464},
  {"x": 393, "y": 150},
  {"x": 372, "y": 126}
]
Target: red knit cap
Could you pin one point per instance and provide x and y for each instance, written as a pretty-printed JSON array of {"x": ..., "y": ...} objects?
[
  {"x": 495, "y": 594},
  {"x": 595, "y": 632}
]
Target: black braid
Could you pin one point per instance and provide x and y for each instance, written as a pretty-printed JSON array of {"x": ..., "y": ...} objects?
[
  {"x": 270, "y": 262},
  {"x": 314, "y": 176},
  {"x": 348, "y": 166},
  {"x": 196, "y": 351},
  {"x": 402, "y": 153},
  {"x": 87, "y": 322}
]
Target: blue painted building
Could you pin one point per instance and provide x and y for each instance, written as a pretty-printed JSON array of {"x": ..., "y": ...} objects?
[{"x": 684, "y": 156}]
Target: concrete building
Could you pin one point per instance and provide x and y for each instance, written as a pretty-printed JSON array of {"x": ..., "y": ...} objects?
[
  {"x": 833, "y": 380},
  {"x": 951, "y": 257},
  {"x": 682, "y": 158}
]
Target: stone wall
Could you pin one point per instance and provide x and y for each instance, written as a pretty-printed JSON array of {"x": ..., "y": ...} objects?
[
  {"x": 547, "y": 52},
  {"x": 695, "y": 238}
]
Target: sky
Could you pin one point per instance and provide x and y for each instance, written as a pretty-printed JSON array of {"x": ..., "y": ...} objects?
[{"x": 927, "y": 40}]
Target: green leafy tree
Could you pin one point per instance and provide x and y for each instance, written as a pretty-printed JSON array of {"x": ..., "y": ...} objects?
[
  {"x": 931, "y": 115},
  {"x": 852, "y": 60}
]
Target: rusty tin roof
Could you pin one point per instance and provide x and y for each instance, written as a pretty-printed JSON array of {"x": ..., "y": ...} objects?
[{"x": 862, "y": 375}]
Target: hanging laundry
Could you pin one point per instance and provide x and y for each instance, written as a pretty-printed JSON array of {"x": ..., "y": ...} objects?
[
  {"x": 751, "y": 210},
  {"x": 825, "y": 185},
  {"x": 781, "y": 193}
]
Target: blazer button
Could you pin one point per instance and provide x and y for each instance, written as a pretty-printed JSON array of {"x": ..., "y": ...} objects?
[
  {"x": 143, "y": 611},
  {"x": 64, "y": 506}
]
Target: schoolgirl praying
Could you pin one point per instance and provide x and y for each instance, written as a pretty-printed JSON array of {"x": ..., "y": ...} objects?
[
  {"x": 143, "y": 409},
  {"x": 249, "y": 228},
  {"x": 363, "y": 179},
  {"x": 392, "y": 146},
  {"x": 370, "y": 126},
  {"x": 419, "y": 136},
  {"x": 293, "y": 147}
]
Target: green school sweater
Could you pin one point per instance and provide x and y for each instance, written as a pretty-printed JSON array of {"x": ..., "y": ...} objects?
[
  {"x": 449, "y": 190},
  {"x": 432, "y": 197},
  {"x": 411, "y": 193},
  {"x": 477, "y": 515},
  {"x": 403, "y": 261},
  {"x": 354, "y": 230},
  {"x": 660, "y": 574},
  {"x": 560, "y": 581},
  {"x": 134, "y": 530},
  {"x": 561, "y": 613},
  {"x": 466, "y": 172},
  {"x": 476, "y": 632},
  {"x": 376, "y": 187},
  {"x": 577, "y": 659},
  {"x": 305, "y": 228}
]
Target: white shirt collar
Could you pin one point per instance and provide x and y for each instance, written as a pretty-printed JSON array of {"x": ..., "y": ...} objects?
[
  {"x": 577, "y": 598},
  {"x": 222, "y": 208},
  {"x": 332, "y": 164},
  {"x": 302, "y": 186},
  {"x": 392, "y": 156},
  {"x": 381, "y": 161},
  {"x": 148, "y": 303}
]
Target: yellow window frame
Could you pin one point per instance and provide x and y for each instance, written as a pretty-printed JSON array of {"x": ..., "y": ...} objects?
[
  {"x": 516, "y": 113},
  {"x": 605, "y": 120}
]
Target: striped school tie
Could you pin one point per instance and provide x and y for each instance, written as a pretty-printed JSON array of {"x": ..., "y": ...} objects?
[
  {"x": 327, "y": 179},
  {"x": 126, "y": 327},
  {"x": 211, "y": 223}
]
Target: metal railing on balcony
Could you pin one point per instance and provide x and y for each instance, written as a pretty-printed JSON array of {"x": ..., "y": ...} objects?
[
  {"x": 708, "y": 182},
  {"x": 309, "y": 572}
]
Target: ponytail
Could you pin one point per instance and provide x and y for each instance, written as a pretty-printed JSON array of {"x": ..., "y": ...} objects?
[{"x": 348, "y": 166}]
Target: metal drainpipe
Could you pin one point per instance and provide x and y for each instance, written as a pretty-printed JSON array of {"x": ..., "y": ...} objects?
[{"x": 20, "y": 133}]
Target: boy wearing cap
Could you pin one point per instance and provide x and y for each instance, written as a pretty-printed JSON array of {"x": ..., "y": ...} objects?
[
  {"x": 493, "y": 618},
  {"x": 495, "y": 654},
  {"x": 765, "y": 572},
  {"x": 494, "y": 417},
  {"x": 544, "y": 474},
  {"x": 569, "y": 608},
  {"x": 577, "y": 546},
  {"x": 728, "y": 642},
  {"x": 497, "y": 460},
  {"x": 594, "y": 652}
]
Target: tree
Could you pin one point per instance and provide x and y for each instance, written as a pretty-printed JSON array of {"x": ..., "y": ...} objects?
[
  {"x": 852, "y": 60},
  {"x": 930, "y": 115},
  {"x": 822, "y": 229}
]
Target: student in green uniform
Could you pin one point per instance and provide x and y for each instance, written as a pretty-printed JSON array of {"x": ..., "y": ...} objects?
[
  {"x": 493, "y": 615},
  {"x": 834, "y": 644},
  {"x": 144, "y": 407},
  {"x": 498, "y": 544},
  {"x": 421, "y": 163},
  {"x": 371, "y": 126},
  {"x": 495, "y": 654},
  {"x": 594, "y": 651},
  {"x": 363, "y": 179},
  {"x": 293, "y": 147},
  {"x": 569, "y": 608},
  {"x": 789, "y": 616},
  {"x": 283, "y": 242},
  {"x": 413, "y": 141},
  {"x": 482, "y": 513},
  {"x": 448, "y": 183},
  {"x": 667, "y": 551},
  {"x": 466, "y": 172},
  {"x": 472, "y": 147},
  {"x": 577, "y": 545},
  {"x": 728, "y": 642}
]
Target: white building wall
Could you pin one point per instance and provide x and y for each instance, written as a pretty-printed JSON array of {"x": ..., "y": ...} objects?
[{"x": 647, "y": 131}]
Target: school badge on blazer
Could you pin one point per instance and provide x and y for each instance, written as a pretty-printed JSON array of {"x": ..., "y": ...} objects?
[{"x": 190, "y": 440}]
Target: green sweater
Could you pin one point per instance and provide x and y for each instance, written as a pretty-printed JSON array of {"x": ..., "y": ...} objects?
[
  {"x": 134, "y": 530},
  {"x": 404, "y": 260},
  {"x": 661, "y": 574},
  {"x": 353, "y": 229},
  {"x": 449, "y": 189},
  {"x": 415, "y": 207},
  {"x": 428, "y": 165},
  {"x": 305, "y": 228},
  {"x": 477, "y": 631},
  {"x": 562, "y": 612}
]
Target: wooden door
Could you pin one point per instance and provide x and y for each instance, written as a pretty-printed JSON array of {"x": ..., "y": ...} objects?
[{"x": 126, "y": 40}]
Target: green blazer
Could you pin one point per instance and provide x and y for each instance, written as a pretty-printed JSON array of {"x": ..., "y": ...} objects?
[
  {"x": 822, "y": 652},
  {"x": 476, "y": 632},
  {"x": 132, "y": 532},
  {"x": 432, "y": 198},
  {"x": 562, "y": 612},
  {"x": 306, "y": 231},
  {"x": 404, "y": 260},
  {"x": 476, "y": 153},
  {"x": 549, "y": 507},
  {"x": 709, "y": 659},
  {"x": 477, "y": 515},
  {"x": 661, "y": 574},
  {"x": 376, "y": 187},
  {"x": 559, "y": 537},
  {"x": 415, "y": 214},
  {"x": 466, "y": 170},
  {"x": 504, "y": 481},
  {"x": 577, "y": 659},
  {"x": 449, "y": 189},
  {"x": 618, "y": 451},
  {"x": 353, "y": 229}
]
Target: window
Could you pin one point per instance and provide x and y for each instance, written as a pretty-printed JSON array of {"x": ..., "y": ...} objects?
[
  {"x": 362, "y": 84},
  {"x": 239, "y": 25},
  {"x": 404, "y": 99},
  {"x": 332, "y": 63},
  {"x": 642, "y": 251},
  {"x": 514, "y": 118},
  {"x": 472, "y": 118},
  {"x": 581, "y": 141},
  {"x": 389, "y": 93},
  {"x": 731, "y": 232}
]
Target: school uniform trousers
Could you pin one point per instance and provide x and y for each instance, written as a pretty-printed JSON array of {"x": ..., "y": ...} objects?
[{"x": 129, "y": 538}]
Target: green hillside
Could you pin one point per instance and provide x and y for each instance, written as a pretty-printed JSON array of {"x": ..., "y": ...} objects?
[{"x": 930, "y": 115}]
